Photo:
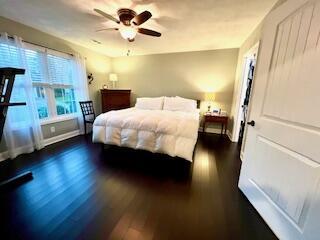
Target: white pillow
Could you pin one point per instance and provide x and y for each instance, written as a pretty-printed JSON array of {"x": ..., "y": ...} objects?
[
  {"x": 179, "y": 104},
  {"x": 192, "y": 102},
  {"x": 150, "y": 103}
]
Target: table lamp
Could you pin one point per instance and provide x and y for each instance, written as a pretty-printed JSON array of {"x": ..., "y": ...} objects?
[
  {"x": 113, "y": 77},
  {"x": 209, "y": 97}
]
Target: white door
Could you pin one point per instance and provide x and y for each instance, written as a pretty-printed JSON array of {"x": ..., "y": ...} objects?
[{"x": 281, "y": 166}]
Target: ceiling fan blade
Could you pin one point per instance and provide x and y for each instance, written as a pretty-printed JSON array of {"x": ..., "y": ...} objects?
[
  {"x": 141, "y": 18},
  {"x": 107, "y": 29},
  {"x": 106, "y": 15},
  {"x": 149, "y": 32}
]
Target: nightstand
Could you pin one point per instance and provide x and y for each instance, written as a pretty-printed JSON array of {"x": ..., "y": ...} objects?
[{"x": 216, "y": 119}]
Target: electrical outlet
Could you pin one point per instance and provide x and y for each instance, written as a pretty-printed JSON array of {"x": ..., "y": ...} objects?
[{"x": 53, "y": 129}]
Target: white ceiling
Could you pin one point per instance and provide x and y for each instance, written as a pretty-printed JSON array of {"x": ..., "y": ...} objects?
[{"x": 186, "y": 25}]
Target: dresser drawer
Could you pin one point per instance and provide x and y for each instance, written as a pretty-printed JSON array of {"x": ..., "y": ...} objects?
[
  {"x": 217, "y": 119},
  {"x": 115, "y": 99}
]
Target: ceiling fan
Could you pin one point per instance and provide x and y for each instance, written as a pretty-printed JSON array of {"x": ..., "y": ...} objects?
[{"x": 129, "y": 21}]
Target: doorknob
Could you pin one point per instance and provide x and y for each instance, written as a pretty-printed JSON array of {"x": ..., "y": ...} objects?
[{"x": 251, "y": 123}]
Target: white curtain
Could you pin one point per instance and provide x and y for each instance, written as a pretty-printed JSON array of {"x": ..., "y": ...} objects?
[
  {"x": 22, "y": 132},
  {"x": 80, "y": 86}
]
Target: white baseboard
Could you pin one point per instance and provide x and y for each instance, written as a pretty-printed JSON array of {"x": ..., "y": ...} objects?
[
  {"x": 233, "y": 137},
  {"x": 61, "y": 137},
  {"x": 4, "y": 156},
  {"x": 229, "y": 135},
  {"x": 23, "y": 149},
  {"x": 211, "y": 130},
  {"x": 241, "y": 156},
  {"x": 46, "y": 142},
  {"x": 216, "y": 131}
]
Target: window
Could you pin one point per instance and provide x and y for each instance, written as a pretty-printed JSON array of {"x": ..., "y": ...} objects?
[
  {"x": 41, "y": 102},
  {"x": 65, "y": 101},
  {"x": 10, "y": 57},
  {"x": 51, "y": 74}
]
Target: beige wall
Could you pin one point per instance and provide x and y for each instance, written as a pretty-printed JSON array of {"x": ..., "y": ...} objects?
[
  {"x": 60, "y": 128},
  {"x": 188, "y": 74}
]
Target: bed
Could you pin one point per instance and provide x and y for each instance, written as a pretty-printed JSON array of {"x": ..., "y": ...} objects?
[{"x": 167, "y": 125}]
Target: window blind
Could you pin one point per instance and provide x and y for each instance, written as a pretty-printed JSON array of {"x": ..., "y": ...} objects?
[
  {"x": 35, "y": 65},
  {"x": 9, "y": 56},
  {"x": 60, "y": 71},
  {"x": 51, "y": 73}
]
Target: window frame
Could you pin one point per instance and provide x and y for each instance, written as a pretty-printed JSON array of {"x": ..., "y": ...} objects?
[{"x": 49, "y": 87}]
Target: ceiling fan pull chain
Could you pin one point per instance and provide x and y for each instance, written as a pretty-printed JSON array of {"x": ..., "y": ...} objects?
[{"x": 128, "y": 47}]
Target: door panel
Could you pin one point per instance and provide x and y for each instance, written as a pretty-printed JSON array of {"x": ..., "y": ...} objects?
[
  {"x": 292, "y": 82},
  {"x": 282, "y": 186},
  {"x": 280, "y": 174}
]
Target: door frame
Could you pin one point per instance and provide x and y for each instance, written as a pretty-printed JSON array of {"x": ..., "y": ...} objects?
[{"x": 237, "y": 117}]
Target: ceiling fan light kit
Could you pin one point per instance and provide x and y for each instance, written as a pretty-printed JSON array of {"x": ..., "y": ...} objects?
[
  {"x": 129, "y": 23},
  {"x": 128, "y": 32}
]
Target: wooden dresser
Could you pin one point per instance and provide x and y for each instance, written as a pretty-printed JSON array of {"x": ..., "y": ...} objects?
[{"x": 114, "y": 99}]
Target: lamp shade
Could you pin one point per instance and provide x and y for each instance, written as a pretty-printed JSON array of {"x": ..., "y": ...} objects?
[
  {"x": 113, "y": 77},
  {"x": 210, "y": 97}
]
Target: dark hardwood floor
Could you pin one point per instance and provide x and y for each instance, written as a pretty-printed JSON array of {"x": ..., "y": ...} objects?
[{"x": 78, "y": 192}]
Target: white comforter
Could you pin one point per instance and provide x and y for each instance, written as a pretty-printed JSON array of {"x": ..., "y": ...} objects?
[{"x": 161, "y": 131}]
